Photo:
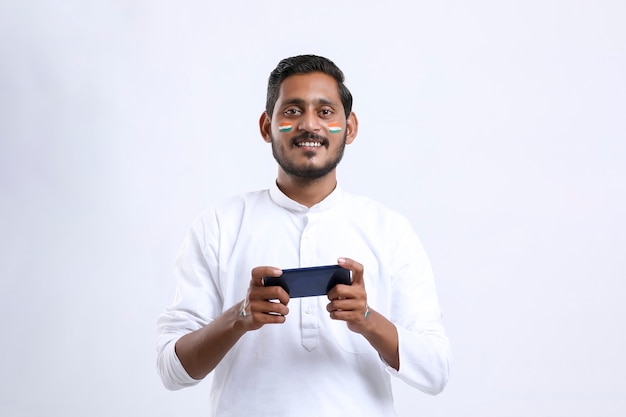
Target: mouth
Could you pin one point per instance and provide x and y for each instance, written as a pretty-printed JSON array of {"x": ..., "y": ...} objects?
[
  {"x": 309, "y": 144},
  {"x": 309, "y": 141}
]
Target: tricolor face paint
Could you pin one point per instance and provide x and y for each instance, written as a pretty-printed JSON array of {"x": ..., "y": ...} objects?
[
  {"x": 284, "y": 127},
  {"x": 334, "y": 127}
]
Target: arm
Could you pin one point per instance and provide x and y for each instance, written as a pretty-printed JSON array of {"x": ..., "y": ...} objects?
[
  {"x": 412, "y": 340},
  {"x": 190, "y": 343},
  {"x": 349, "y": 303},
  {"x": 200, "y": 351}
]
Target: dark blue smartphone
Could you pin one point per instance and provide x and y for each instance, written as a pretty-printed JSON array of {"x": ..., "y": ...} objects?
[{"x": 311, "y": 281}]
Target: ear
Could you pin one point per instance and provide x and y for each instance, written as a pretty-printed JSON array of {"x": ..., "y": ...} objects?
[
  {"x": 352, "y": 126},
  {"x": 265, "y": 127}
]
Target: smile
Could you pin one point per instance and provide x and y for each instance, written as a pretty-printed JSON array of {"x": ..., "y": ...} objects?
[{"x": 309, "y": 144}]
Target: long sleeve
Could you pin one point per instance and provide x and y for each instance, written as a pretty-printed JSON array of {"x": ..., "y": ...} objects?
[
  {"x": 423, "y": 345},
  {"x": 196, "y": 303}
]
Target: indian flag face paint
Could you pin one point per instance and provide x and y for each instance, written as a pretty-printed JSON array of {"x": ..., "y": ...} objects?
[
  {"x": 334, "y": 127},
  {"x": 284, "y": 127}
]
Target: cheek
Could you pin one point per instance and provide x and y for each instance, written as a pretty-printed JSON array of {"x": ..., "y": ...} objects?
[
  {"x": 334, "y": 128},
  {"x": 285, "y": 127}
]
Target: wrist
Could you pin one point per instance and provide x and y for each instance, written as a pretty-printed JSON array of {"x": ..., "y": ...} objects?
[{"x": 238, "y": 316}]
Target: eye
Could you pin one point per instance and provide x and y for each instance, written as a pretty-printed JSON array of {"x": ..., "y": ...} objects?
[
  {"x": 325, "y": 113},
  {"x": 292, "y": 112}
]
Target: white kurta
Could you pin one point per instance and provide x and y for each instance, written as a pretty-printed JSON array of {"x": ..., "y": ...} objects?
[{"x": 310, "y": 365}]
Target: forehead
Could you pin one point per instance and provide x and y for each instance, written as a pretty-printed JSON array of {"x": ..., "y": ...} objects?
[{"x": 311, "y": 87}]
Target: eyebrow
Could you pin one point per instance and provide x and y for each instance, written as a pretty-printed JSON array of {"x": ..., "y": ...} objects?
[{"x": 301, "y": 103}]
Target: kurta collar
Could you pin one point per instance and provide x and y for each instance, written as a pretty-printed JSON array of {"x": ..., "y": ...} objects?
[{"x": 282, "y": 200}]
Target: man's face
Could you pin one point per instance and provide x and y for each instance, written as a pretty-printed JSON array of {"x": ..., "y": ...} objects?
[{"x": 308, "y": 128}]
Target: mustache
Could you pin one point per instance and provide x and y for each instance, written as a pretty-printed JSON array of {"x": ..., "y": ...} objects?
[{"x": 309, "y": 136}]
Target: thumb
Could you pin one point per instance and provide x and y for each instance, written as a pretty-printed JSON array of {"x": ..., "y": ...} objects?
[
  {"x": 263, "y": 271},
  {"x": 355, "y": 267}
]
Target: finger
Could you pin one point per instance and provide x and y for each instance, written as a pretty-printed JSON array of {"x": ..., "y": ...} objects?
[
  {"x": 256, "y": 315},
  {"x": 282, "y": 295},
  {"x": 341, "y": 291},
  {"x": 269, "y": 293},
  {"x": 258, "y": 311},
  {"x": 355, "y": 267},
  {"x": 259, "y": 272},
  {"x": 270, "y": 308},
  {"x": 351, "y": 316},
  {"x": 275, "y": 293},
  {"x": 337, "y": 305},
  {"x": 346, "y": 305},
  {"x": 269, "y": 318}
]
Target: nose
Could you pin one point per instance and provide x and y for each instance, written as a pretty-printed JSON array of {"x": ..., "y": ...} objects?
[{"x": 309, "y": 122}]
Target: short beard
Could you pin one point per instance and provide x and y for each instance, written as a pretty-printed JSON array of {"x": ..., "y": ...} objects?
[{"x": 308, "y": 173}]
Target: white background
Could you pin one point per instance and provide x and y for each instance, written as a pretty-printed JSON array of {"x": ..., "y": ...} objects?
[{"x": 497, "y": 127}]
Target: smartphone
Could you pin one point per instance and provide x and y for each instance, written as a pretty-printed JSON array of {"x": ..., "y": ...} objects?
[{"x": 311, "y": 281}]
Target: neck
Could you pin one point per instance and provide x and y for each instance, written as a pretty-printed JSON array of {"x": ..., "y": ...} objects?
[{"x": 307, "y": 192}]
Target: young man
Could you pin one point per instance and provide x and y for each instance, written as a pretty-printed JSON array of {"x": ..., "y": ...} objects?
[{"x": 312, "y": 356}]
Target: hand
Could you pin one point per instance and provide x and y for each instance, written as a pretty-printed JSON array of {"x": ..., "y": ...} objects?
[
  {"x": 202, "y": 350},
  {"x": 256, "y": 309},
  {"x": 349, "y": 302}
]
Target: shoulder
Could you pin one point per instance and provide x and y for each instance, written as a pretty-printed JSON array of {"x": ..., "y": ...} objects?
[
  {"x": 231, "y": 209},
  {"x": 362, "y": 206},
  {"x": 237, "y": 202}
]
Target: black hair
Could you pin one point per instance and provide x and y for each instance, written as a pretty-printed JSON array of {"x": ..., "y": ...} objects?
[{"x": 304, "y": 64}]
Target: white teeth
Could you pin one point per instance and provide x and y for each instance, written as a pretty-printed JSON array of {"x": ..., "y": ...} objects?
[{"x": 310, "y": 144}]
